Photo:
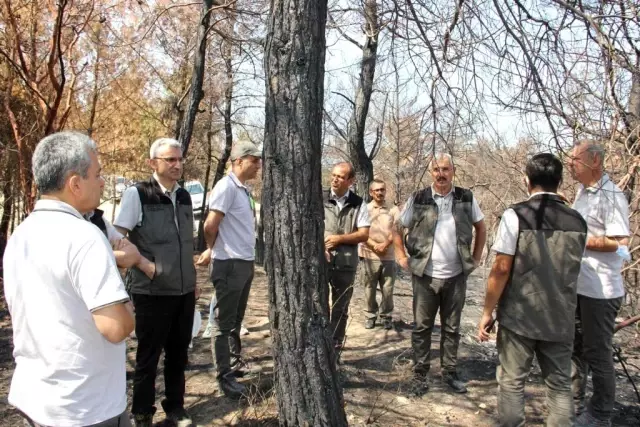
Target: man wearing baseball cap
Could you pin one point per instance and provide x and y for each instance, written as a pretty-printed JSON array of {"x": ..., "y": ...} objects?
[{"x": 230, "y": 235}]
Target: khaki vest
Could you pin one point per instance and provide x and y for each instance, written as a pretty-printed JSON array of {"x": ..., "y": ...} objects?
[
  {"x": 336, "y": 221},
  {"x": 539, "y": 301}
]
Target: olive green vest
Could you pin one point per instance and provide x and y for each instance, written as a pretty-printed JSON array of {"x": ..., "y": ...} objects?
[
  {"x": 539, "y": 301},
  {"x": 422, "y": 228},
  {"x": 342, "y": 221}
]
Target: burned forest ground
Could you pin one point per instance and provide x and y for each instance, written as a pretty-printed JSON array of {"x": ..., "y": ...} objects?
[{"x": 375, "y": 370}]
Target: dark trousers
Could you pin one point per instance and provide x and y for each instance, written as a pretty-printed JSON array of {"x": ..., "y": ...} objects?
[
  {"x": 341, "y": 285},
  {"x": 231, "y": 280},
  {"x": 121, "y": 420},
  {"x": 162, "y": 322},
  {"x": 593, "y": 351},
  {"x": 429, "y": 295}
]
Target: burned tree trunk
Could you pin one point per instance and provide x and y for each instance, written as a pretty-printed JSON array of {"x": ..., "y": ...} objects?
[
  {"x": 227, "y": 112},
  {"x": 197, "y": 78},
  {"x": 307, "y": 386},
  {"x": 357, "y": 151}
]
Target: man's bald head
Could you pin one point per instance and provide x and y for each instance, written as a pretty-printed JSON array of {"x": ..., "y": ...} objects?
[{"x": 342, "y": 177}]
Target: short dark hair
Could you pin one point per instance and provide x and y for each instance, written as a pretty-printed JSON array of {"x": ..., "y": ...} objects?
[{"x": 544, "y": 170}]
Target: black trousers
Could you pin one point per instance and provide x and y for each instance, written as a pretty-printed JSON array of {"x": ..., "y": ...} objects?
[{"x": 162, "y": 322}]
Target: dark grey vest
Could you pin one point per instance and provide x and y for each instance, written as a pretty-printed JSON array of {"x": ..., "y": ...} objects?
[
  {"x": 421, "y": 231},
  {"x": 158, "y": 239},
  {"x": 336, "y": 221},
  {"x": 539, "y": 301},
  {"x": 97, "y": 220}
]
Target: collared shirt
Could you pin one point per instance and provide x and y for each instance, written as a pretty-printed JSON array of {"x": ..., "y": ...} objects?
[
  {"x": 236, "y": 234},
  {"x": 445, "y": 259},
  {"x": 58, "y": 268},
  {"x": 363, "y": 220},
  {"x": 383, "y": 219},
  {"x": 113, "y": 235},
  {"x": 606, "y": 210},
  {"x": 506, "y": 240},
  {"x": 130, "y": 214}
]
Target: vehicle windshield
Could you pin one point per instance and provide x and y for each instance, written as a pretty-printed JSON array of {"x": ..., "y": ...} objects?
[{"x": 194, "y": 188}]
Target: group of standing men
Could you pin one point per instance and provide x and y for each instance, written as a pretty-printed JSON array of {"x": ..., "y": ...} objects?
[
  {"x": 72, "y": 312},
  {"x": 71, "y": 309},
  {"x": 556, "y": 282}
]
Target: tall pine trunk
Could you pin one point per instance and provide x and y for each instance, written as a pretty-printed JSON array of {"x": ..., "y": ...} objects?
[
  {"x": 307, "y": 385},
  {"x": 197, "y": 78},
  {"x": 361, "y": 161}
]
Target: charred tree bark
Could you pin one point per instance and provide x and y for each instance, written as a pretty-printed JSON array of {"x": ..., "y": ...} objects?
[
  {"x": 197, "y": 78},
  {"x": 204, "y": 211},
  {"x": 96, "y": 87},
  {"x": 227, "y": 54},
  {"x": 307, "y": 387},
  {"x": 355, "y": 137}
]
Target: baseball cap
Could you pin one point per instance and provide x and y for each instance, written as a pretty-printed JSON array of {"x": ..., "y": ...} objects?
[{"x": 244, "y": 148}]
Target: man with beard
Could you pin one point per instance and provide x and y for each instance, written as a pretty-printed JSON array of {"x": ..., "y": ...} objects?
[
  {"x": 378, "y": 258},
  {"x": 439, "y": 221},
  {"x": 157, "y": 216},
  {"x": 230, "y": 234}
]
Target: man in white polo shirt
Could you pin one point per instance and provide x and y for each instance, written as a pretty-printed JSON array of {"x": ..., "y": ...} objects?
[
  {"x": 230, "y": 233},
  {"x": 68, "y": 305},
  {"x": 600, "y": 284},
  {"x": 440, "y": 221}
]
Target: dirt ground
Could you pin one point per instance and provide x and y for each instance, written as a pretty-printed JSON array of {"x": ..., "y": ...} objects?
[{"x": 375, "y": 369}]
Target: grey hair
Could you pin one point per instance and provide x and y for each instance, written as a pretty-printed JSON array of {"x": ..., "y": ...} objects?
[
  {"x": 593, "y": 148},
  {"x": 440, "y": 156},
  {"x": 59, "y": 155},
  {"x": 163, "y": 142}
]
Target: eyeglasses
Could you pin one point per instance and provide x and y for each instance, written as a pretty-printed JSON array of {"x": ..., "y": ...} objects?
[
  {"x": 172, "y": 160},
  {"x": 379, "y": 190}
]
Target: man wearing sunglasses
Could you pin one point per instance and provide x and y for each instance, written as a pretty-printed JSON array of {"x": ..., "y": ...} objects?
[{"x": 158, "y": 217}]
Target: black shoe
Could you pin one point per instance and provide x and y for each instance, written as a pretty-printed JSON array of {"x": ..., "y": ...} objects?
[
  {"x": 143, "y": 420},
  {"x": 388, "y": 324},
  {"x": 370, "y": 323},
  {"x": 419, "y": 385},
  {"x": 230, "y": 387},
  {"x": 179, "y": 418},
  {"x": 241, "y": 368},
  {"x": 454, "y": 382}
]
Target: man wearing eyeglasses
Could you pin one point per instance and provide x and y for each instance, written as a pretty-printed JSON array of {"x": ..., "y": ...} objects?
[{"x": 158, "y": 217}]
